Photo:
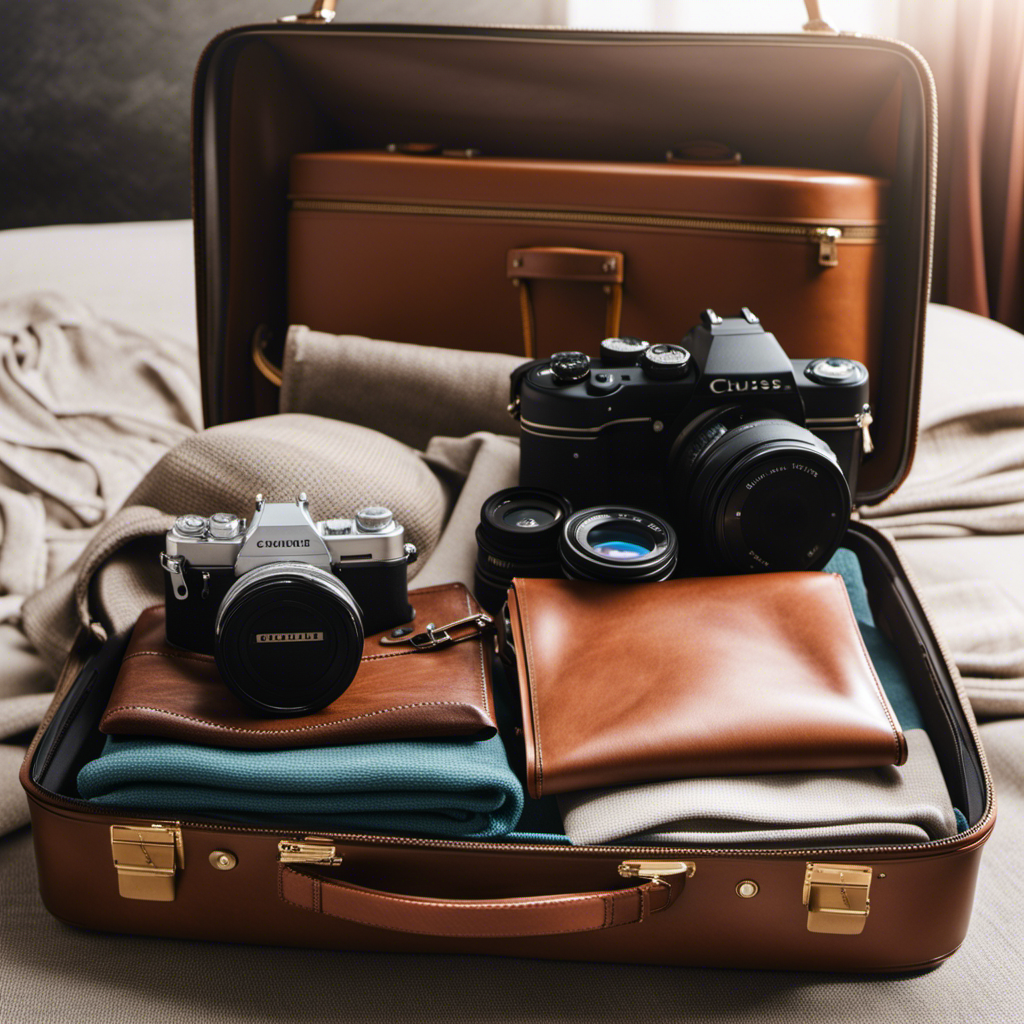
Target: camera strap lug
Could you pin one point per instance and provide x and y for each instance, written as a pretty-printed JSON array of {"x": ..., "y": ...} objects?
[
  {"x": 433, "y": 637},
  {"x": 174, "y": 564},
  {"x": 864, "y": 421}
]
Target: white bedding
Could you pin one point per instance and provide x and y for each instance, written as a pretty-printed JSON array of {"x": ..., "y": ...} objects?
[{"x": 141, "y": 275}]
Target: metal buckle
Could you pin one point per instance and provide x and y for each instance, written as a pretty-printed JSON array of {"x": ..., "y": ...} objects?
[{"x": 434, "y": 637}]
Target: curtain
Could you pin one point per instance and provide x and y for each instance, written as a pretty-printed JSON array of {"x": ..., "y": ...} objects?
[{"x": 976, "y": 50}]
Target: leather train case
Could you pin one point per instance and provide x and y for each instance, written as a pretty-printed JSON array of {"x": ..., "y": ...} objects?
[
  {"x": 265, "y": 93},
  {"x": 532, "y": 257}
]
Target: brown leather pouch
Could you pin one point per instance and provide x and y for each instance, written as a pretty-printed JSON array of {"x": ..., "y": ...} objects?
[
  {"x": 732, "y": 675},
  {"x": 530, "y": 256},
  {"x": 397, "y": 693}
]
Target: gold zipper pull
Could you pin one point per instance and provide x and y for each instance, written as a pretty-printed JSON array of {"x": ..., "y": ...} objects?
[
  {"x": 864, "y": 421},
  {"x": 312, "y": 850},
  {"x": 828, "y": 248},
  {"x": 653, "y": 870}
]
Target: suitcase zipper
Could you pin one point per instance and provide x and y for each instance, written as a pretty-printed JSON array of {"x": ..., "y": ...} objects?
[{"x": 826, "y": 237}]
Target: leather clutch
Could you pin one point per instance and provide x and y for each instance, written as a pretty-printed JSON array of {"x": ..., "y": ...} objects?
[
  {"x": 731, "y": 675},
  {"x": 397, "y": 694}
]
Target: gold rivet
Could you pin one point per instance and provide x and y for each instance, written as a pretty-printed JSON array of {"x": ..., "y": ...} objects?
[
  {"x": 223, "y": 860},
  {"x": 747, "y": 889}
]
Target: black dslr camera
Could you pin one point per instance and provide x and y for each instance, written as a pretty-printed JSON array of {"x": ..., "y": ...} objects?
[
  {"x": 284, "y": 603},
  {"x": 752, "y": 457}
]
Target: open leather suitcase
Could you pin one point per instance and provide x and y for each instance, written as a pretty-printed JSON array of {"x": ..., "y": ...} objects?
[{"x": 266, "y": 92}]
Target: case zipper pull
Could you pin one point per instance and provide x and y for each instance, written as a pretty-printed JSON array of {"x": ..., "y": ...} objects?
[
  {"x": 653, "y": 870},
  {"x": 828, "y": 248},
  {"x": 434, "y": 637}
]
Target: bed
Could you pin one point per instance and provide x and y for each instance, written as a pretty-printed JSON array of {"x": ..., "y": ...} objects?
[{"x": 140, "y": 274}]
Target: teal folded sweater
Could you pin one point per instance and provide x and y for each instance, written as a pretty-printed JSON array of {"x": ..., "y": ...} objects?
[{"x": 450, "y": 788}]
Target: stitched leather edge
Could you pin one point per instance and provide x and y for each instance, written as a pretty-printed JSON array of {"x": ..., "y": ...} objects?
[
  {"x": 274, "y": 732},
  {"x": 900, "y": 740}
]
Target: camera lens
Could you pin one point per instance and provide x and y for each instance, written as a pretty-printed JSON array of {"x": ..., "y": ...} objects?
[
  {"x": 761, "y": 494},
  {"x": 288, "y": 638},
  {"x": 517, "y": 536},
  {"x": 614, "y": 543}
]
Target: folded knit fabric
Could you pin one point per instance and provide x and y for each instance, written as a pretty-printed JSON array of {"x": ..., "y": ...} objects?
[
  {"x": 454, "y": 788},
  {"x": 864, "y": 806},
  {"x": 909, "y": 804}
]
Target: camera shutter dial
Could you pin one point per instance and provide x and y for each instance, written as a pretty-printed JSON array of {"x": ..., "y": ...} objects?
[
  {"x": 190, "y": 525},
  {"x": 835, "y": 371},
  {"x": 665, "y": 362},
  {"x": 570, "y": 367},
  {"x": 623, "y": 351},
  {"x": 374, "y": 519},
  {"x": 225, "y": 526}
]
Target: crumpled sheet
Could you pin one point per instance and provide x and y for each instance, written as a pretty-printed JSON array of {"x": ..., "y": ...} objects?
[{"x": 86, "y": 407}]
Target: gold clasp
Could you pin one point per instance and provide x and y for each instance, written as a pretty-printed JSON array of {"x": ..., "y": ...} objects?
[
  {"x": 837, "y": 898},
  {"x": 147, "y": 858}
]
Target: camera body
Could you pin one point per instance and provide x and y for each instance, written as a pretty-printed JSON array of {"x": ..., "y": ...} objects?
[
  {"x": 203, "y": 558},
  {"x": 640, "y": 425}
]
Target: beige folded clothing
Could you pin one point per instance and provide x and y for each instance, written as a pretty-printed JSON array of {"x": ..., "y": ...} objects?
[{"x": 856, "y": 807}]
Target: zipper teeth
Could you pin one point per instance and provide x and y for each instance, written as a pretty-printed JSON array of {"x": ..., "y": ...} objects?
[
  {"x": 452, "y": 844},
  {"x": 858, "y": 232}
]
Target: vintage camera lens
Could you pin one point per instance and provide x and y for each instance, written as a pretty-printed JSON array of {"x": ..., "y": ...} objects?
[
  {"x": 760, "y": 494},
  {"x": 617, "y": 544},
  {"x": 517, "y": 536},
  {"x": 288, "y": 638}
]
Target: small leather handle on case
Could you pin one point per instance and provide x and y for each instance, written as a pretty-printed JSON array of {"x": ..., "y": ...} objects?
[
  {"x": 268, "y": 368},
  {"x": 492, "y": 919},
  {"x": 605, "y": 267}
]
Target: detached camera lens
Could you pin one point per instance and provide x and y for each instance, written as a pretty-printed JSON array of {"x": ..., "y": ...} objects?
[
  {"x": 615, "y": 543},
  {"x": 288, "y": 638},
  {"x": 517, "y": 536}
]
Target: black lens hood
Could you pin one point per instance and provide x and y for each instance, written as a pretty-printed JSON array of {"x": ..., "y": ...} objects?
[
  {"x": 720, "y": 481},
  {"x": 288, "y": 638}
]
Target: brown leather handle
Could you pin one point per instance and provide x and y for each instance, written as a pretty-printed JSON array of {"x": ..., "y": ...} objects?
[
  {"x": 566, "y": 263},
  {"x": 493, "y": 919}
]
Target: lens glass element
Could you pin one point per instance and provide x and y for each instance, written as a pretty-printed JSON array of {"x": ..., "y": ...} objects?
[
  {"x": 622, "y": 542},
  {"x": 527, "y": 518}
]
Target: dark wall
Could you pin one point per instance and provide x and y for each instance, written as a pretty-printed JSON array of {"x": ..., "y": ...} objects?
[{"x": 94, "y": 95}]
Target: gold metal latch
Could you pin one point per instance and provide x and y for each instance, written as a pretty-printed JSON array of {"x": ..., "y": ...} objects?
[
  {"x": 310, "y": 851},
  {"x": 654, "y": 870},
  {"x": 836, "y": 898},
  {"x": 147, "y": 858}
]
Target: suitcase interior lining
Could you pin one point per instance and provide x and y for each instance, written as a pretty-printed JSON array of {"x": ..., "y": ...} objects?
[
  {"x": 268, "y": 92},
  {"x": 73, "y": 737}
]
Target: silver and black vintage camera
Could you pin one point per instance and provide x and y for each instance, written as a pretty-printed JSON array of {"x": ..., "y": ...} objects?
[
  {"x": 283, "y": 603},
  {"x": 751, "y": 456}
]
